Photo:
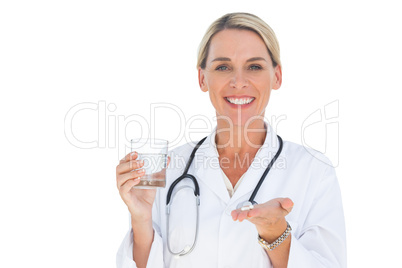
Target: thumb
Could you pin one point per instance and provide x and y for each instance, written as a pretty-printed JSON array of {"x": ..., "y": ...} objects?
[
  {"x": 168, "y": 161},
  {"x": 286, "y": 204}
]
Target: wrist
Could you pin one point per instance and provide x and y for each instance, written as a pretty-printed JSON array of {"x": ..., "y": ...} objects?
[
  {"x": 141, "y": 218},
  {"x": 142, "y": 231},
  {"x": 272, "y": 232},
  {"x": 141, "y": 225},
  {"x": 269, "y": 246}
]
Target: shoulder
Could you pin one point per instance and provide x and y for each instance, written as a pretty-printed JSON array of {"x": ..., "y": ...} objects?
[{"x": 305, "y": 157}]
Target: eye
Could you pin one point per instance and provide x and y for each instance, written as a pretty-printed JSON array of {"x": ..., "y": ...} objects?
[
  {"x": 255, "y": 67},
  {"x": 222, "y": 68}
]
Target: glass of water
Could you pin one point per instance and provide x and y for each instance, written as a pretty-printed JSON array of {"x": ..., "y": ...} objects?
[{"x": 154, "y": 154}]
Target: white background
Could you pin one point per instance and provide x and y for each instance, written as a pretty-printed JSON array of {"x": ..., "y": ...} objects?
[{"x": 59, "y": 203}]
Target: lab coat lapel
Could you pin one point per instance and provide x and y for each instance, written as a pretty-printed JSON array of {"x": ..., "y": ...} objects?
[
  {"x": 257, "y": 168},
  {"x": 207, "y": 168}
]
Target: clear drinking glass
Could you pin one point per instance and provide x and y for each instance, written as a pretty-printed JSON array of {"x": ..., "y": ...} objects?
[{"x": 154, "y": 153}]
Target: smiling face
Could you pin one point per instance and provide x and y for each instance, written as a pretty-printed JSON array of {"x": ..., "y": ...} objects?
[{"x": 239, "y": 75}]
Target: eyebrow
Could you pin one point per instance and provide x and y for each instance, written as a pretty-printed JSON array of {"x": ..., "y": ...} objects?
[{"x": 228, "y": 59}]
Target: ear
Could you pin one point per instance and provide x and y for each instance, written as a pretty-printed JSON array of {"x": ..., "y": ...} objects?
[
  {"x": 278, "y": 77},
  {"x": 201, "y": 80}
]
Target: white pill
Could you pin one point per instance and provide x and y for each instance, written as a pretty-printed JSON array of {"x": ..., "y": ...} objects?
[{"x": 250, "y": 207}]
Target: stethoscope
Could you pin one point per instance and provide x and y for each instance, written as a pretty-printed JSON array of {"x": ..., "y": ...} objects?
[{"x": 247, "y": 205}]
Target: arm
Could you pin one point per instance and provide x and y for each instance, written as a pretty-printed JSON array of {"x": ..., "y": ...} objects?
[
  {"x": 141, "y": 246},
  {"x": 124, "y": 257},
  {"x": 143, "y": 236},
  {"x": 321, "y": 241},
  {"x": 280, "y": 255}
]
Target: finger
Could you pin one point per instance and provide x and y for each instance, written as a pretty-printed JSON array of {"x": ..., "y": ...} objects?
[
  {"x": 277, "y": 207},
  {"x": 266, "y": 212},
  {"x": 242, "y": 215},
  {"x": 126, "y": 187},
  {"x": 128, "y": 166},
  {"x": 168, "y": 161},
  {"x": 239, "y": 215},
  {"x": 129, "y": 156},
  {"x": 121, "y": 179},
  {"x": 255, "y": 212},
  {"x": 234, "y": 214}
]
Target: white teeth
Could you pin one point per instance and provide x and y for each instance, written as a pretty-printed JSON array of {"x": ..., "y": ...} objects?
[{"x": 240, "y": 101}]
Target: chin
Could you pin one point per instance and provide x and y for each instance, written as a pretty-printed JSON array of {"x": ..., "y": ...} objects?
[{"x": 242, "y": 119}]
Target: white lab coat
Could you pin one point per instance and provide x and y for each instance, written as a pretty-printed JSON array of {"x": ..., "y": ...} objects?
[{"x": 305, "y": 176}]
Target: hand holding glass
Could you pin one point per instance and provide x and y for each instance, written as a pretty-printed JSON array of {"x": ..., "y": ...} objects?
[{"x": 154, "y": 154}]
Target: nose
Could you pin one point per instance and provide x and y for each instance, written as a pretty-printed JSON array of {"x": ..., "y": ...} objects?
[{"x": 238, "y": 80}]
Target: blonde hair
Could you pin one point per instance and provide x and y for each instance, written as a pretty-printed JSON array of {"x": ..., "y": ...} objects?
[{"x": 241, "y": 21}]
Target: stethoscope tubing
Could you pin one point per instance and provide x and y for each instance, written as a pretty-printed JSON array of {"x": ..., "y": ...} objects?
[
  {"x": 257, "y": 187},
  {"x": 197, "y": 193}
]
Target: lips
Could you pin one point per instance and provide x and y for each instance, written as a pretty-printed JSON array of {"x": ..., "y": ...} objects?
[{"x": 237, "y": 101}]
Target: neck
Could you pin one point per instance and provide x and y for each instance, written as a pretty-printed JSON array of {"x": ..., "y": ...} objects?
[{"x": 240, "y": 139}]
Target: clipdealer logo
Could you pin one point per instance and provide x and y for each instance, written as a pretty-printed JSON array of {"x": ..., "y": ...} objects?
[
  {"x": 113, "y": 129},
  {"x": 319, "y": 131}
]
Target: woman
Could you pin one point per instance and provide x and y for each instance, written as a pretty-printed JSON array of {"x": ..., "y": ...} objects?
[{"x": 298, "y": 221}]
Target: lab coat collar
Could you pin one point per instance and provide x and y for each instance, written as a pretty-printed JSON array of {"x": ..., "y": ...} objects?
[{"x": 210, "y": 173}]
